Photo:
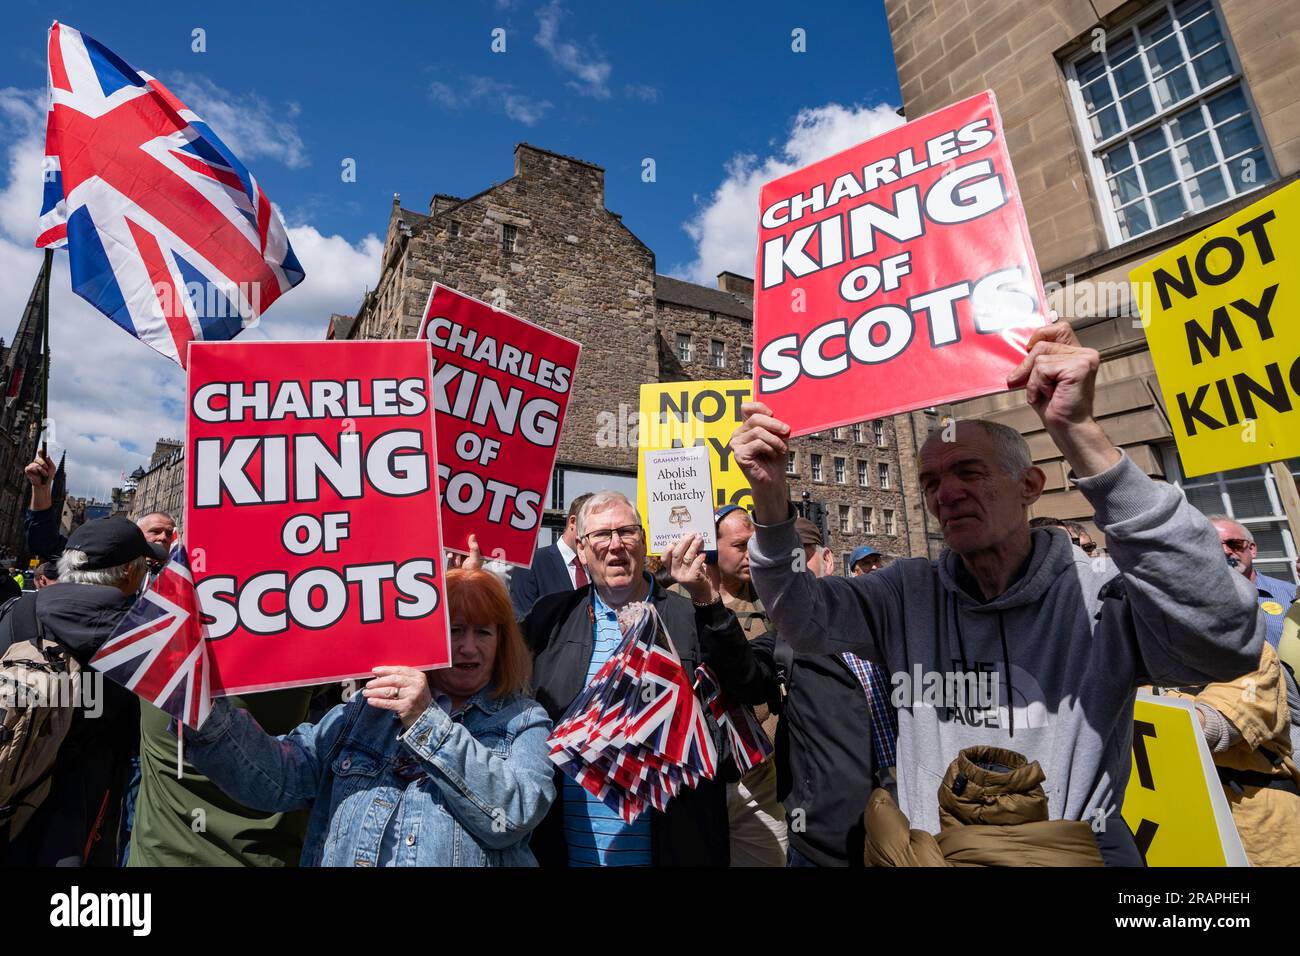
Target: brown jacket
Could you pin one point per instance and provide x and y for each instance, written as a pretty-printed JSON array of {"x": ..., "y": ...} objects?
[
  {"x": 992, "y": 812},
  {"x": 1267, "y": 819}
]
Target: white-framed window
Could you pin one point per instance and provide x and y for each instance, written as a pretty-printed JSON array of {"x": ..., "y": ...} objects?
[
  {"x": 683, "y": 347},
  {"x": 868, "y": 520},
  {"x": 856, "y": 432},
  {"x": 878, "y": 427},
  {"x": 839, "y": 471},
  {"x": 1167, "y": 118},
  {"x": 846, "y": 525},
  {"x": 747, "y": 360},
  {"x": 889, "y": 521},
  {"x": 862, "y": 474},
  {"x": 717, "y": 354},
  {"x": 1250, "y": 497},
  {"x": 816, "y": 467},
  {"x": 509, "y": 234},
  {"x": 883, "y": 470},
  {"x": 837, "y": 434},
  {"x": 791, "y": 466}
]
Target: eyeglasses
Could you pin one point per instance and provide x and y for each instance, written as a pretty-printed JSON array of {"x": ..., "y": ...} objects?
[
  {"x": 1237, "y": 544},
  {"x": 628, "y": 534},
  {"x": 1088, "y": 548}
]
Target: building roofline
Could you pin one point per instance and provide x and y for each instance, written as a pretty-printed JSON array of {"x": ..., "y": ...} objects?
[{"x": 551, "y": 152}]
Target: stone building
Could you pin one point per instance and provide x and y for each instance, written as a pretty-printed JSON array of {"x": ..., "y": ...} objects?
[
  {"x": 542, "y": 245},
  {"x": 1132, "y": 124},
  {"x": 160, "y": 485}
]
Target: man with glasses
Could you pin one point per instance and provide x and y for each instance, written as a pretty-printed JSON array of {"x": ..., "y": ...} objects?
[
  {"x": 1275, "y": 596},
  {"x": 1079, "y": 535},
  {"x": 572, "y": 634}
]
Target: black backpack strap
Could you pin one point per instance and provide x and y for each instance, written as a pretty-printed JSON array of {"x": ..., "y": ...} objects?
[{"x": 783, "y": 654}]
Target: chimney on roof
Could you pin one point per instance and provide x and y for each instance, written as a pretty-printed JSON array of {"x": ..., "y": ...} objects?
[
  {"x": 736, "y": 284},
  {"x": 532, "y": 162}
]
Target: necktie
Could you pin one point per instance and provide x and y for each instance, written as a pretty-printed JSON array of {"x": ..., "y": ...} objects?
[{"x": 579, "y": 573}]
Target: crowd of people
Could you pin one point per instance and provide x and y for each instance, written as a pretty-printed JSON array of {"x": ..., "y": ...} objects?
[{"x": 452, "y": 767}]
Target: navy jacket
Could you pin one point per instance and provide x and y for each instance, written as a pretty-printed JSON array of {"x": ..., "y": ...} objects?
[{"x": 547, "y": 575}]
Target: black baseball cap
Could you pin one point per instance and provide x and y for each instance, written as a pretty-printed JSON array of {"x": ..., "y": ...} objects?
[{"x": 109, "y": 542}]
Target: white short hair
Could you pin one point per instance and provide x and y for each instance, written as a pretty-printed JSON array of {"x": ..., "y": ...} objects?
[
  {"x": 599, "y": 502},
  {"x": 1009, "y": 446},
  {"x": 73, "y": 570}
]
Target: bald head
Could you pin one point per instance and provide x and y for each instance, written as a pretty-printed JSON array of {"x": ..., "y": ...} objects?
[
  {"x": 1237, "y": 542},
  {"x": 734, "y": 531}
]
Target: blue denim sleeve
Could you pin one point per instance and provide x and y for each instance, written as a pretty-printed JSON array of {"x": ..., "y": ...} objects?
[
  {"x": 499, "y": 799},
  {"x": 273, "y": 774}
]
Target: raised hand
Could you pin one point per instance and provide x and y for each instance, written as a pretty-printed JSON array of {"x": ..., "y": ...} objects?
[
  {"x": 759, "y": 448},
  {"x": 686, "y": 564},
  {"x": 1060, "y": 379},
  {"x": 403, "y": 690}
]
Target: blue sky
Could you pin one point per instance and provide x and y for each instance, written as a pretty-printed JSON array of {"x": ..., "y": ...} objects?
[{"x": 414, "y": 94}]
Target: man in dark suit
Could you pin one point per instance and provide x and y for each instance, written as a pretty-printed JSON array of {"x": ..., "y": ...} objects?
[{"x": 555, "y": 568}]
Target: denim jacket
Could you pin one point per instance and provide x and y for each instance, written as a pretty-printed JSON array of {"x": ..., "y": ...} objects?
[{"x": 462, "y": 790}]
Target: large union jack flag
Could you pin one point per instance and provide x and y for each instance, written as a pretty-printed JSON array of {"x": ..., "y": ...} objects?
[
  {"x": 168, "y": 234},
  {"x": 159, "y": 650}
]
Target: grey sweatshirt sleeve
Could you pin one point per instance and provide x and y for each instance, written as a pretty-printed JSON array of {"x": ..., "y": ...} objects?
[
  {"x": 1194, "y": 619},
  {"x": 817, "y": 615}
]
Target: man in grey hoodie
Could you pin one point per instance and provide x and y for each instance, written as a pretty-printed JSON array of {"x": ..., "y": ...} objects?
[{"x": 1066, "y": 639}]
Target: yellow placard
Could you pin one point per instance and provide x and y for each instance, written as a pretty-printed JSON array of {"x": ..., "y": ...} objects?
[
  {"x": 1220, "y": 316},
  {"x": 680, "y": 414},
  {"x": 1174, "y": 803}
]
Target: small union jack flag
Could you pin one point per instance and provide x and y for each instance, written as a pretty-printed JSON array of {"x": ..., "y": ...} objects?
[
  {"x": 636, "y": 734},
  {"x": 168, "y": 234},
  {"x": 746, "y": 741},
  {"x": 160, "y": 649}
]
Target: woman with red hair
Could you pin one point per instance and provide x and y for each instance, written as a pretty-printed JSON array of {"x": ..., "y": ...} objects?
[{"x": 444, "y": 768}]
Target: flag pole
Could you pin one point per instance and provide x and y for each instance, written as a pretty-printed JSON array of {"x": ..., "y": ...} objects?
[{"x": 46, "y": 268}]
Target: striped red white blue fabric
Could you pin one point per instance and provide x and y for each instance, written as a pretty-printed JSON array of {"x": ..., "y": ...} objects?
[
  {"x": 636, "y": 734},
  {"x": 746, "y": 742},
  {"x": 168, "y": 233},
  {"x": 160, "y": 650}
]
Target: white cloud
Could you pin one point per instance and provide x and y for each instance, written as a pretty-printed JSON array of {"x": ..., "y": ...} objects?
[
  {"x": 725, "y": 229},
  {"x": 590, "y": 70},
  {"x": 641, "y": 91},
  {"x": 250, "y": 126},
  {"x": 111, "y": 396},
  {"x": 474, "y": 91}
]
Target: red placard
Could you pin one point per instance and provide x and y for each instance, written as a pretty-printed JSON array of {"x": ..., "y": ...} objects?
[
  {"x": 501, "y": 387},
  {"x": 311, "y": 514},
  {"x": 895, "y": 275}
]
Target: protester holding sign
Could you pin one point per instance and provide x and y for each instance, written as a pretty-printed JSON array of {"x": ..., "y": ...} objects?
[
  {"x": 573, "y": 634},
  {"x": 447, "y": 768},
  {"x": 1248, "y": 730},
  {"x": 1069, "y": 642}
]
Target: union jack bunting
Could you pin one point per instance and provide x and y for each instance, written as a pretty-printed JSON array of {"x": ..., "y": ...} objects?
[
  {"x": 168, "y": 234},
  {"x": 636, "y": 734},
  {"x": 159, "y": 650},
  {"x": 743, "y": 734}
]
